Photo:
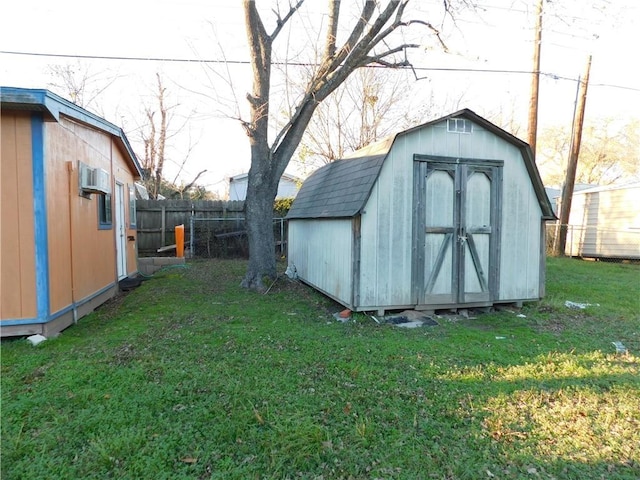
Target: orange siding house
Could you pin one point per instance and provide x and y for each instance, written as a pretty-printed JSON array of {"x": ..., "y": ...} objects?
[{"x": 67, "y": 211}]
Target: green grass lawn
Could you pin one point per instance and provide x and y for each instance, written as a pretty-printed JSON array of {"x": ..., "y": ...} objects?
[{"x": 191, "y": 377}]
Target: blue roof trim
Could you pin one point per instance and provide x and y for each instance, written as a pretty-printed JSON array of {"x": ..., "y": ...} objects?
[
  {"x": 35, "y": 99},
  {"x": 41, "y": 234}
]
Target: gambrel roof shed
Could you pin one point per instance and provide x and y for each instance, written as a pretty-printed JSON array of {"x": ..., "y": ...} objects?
[{"x": 437, "y": 216}]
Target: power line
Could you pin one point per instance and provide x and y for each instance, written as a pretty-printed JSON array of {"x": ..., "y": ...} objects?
[
  {"x": 302, "y": 64},
  {"x": 136, "y": 59}
]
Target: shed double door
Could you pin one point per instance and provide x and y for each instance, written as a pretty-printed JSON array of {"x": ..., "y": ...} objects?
[{"x": 457, "y": 217}]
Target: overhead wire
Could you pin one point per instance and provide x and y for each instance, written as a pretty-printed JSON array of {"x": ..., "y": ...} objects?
[{"x": 300, "y": 64}]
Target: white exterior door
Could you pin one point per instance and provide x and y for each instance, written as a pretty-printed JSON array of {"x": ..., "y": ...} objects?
[
  {"x": 457, "y": 217},
  {"x": 121, "y": 232}
]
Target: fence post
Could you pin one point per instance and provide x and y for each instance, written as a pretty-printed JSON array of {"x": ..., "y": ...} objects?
[
  {"x": 281, "y": 236},
  {"x": 179, "y": 233},
  {"x": 191, "y": 233},
  {"x": 164, "y": 221},
  {"x": 570, "y": 240}
]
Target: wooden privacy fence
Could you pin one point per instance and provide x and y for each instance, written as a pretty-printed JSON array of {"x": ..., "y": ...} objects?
[
  {"x": 157, "y": 219},
  {"x": 212, "y": 228}
]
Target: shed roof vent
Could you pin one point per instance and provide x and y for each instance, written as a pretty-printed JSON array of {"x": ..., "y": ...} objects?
[{"x": 459, "y": 125}]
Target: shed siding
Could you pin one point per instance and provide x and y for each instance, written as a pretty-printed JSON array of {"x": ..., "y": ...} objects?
[
  {"x": 385, "y": 263},
  {"x": 57, "y": 264},
  {"x": 520, "y": 244},
  {"x": 392, "y": 259},
  {"x": 84, "y": 259},
  {"x": 322, "y": 252},
  {"x": 59, "y": 151},
  {"x": 386, "y": 223},
  {"x": 18, "y": 281},
  {"x": 605, "y": 223}
]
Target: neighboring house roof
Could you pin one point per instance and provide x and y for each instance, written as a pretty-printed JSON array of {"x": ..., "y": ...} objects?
[
  {"x": 342, "y": 188},
  {"x": 288, "y": 186},
  {"x": 605, "y": 188},
  {"x": 52, "y": 106},
  {"x": 244, "y": 176},
  {"x": 553, "y": 194}
]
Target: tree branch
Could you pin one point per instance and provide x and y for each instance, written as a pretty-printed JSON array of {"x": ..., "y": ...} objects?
[
  {"x": 379, "y": 58},
  {"x": 371, "y": 38},
  {"x": 433, "y": 29},
  {"x": 193, "y": 182},
  {"x": 335, "y": 71},
  {"x": 356, "y": 33},
  {"x": 281, "y": 22},
  {"x": 257, "y": 34},
  {"x": 332, "y": 29}
]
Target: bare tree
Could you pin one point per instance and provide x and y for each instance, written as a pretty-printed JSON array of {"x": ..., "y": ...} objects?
[
  {"x": 155, "y": 135},
  {"x": 370, "y": 105},
  {"x": 371, "y": 41},
  {"x": 610, "y": 153},
  {"x": 80, "y": 84}
]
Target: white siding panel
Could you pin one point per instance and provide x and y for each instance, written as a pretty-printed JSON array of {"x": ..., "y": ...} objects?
[
  {"x": 385, "y": 264},
  {"x": 287, "y": 188},
  {"x": 605, "y": 223},
  {"x": 386, "y": 223},
  {"x": 322, "y": 252},
  {"x": 520, "y": 243},
  {"x": 238, "y": 190}
]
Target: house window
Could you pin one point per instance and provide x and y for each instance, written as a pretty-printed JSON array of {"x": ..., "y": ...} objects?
[
  {"x": 459, "y": 125},
  {"x": 132, "y": 206},
  {"x": 104, "y": 211}
]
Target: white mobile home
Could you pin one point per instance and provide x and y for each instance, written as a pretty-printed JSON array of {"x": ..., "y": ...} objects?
[
  {"x": 448, "y": 214},
  {"x": 288, "y": 186},
  {"x": 605, "y": 223}
]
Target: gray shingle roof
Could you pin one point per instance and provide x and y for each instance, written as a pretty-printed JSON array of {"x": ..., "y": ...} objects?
[{"x": 339, "y": 189}]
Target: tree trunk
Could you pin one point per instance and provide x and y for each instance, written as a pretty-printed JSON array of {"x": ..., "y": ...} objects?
[
  {"x": 261, "y": 192},
  {"x": 269, "y": 160}
]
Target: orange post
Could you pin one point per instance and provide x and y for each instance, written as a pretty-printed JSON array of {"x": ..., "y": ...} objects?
[{"x": 179, "y": 241}]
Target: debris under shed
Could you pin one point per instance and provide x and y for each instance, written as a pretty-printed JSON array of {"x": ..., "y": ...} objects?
[{"x": 410, "y": 319}]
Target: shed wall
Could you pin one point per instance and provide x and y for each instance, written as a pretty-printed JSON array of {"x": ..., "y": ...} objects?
[
  {"x": 122, "y": 174},
  {"x": 322, "y": 252},
  {"x": 521, "y": 255},
  {"x": 82, "y": 257},
  {"x": 386, "y": 251},
  {"x": 18, "y": 280},
  {"x": 605, "y": 223},
  {"x": 57, "y": 263}
]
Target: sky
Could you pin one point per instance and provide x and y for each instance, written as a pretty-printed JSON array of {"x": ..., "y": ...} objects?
[{"x": 122, "y": 43}]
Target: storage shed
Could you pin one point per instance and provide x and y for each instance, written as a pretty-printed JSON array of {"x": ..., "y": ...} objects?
[
  {"x": 448, "y": 214},
  {"x": 68, "y": 232},
  {"x": 604, "y": 222}
]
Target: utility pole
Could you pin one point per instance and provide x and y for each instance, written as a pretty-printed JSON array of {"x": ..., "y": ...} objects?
[
  {"x": 572, "y": 165},
  {"x": 535, "y": 81}
]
